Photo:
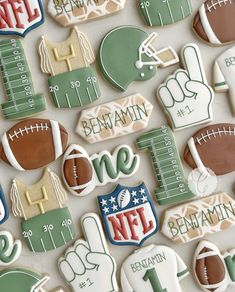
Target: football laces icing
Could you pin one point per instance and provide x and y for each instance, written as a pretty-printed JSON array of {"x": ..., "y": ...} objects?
[
  {"x": 27, "y": 130},
  {"x": 215, "y": 134},
  {"x": 213, "y": 5}
]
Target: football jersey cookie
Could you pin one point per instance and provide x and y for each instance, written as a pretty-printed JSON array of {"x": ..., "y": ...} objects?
[
  {"x": 33, "y": 143},
  {"x": 214, "y": 23},
  {"x": 212, "y": 147},
  {"x": 20, "y": 17},
  {"x": 46, "y": 222},
  {"x": 74, "y": 12},
  {"x": 164, "y": 12},
  {"x": 73, "y": 82},
  {"x": 127, "y": 54},
  {"x": 22, "y": 101},
  {"x": 153, "y": 268},
  {"x": 186, "y": 96}
]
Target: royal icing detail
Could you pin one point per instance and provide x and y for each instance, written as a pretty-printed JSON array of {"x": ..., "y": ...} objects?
[
  {"x": 46, "y": 222},
  {"x": 4, "y": 213},
  {"x": 20, "y": 17},
  {"x": 198, "y": 218},
  {"x": 164, "y": 12},
  {"x": 186, "y": 96},
  {"x": 213, "y": 271},
  {"x": 73, "y": 82},
  {"x": 10, "y": 249},
  {"x": 155, "y": 268},
  {"x": 128, "y": 214},
  {"x": 215, "y": 21},
  {"x": 224, "y": 75},
  {"x": 88, "y": 265},
  {"x": 212, "y": 147},
  {"x": 70, "y": 12},
  {"x": 33, "y": 143},
  {"x": 22, "y": 101},
  {"x": 82, "y": 173},
  {"x": 114, "y": 119},
  {"x": 167, "y": 165},
  {"x": 132, "y": 48},
  {"x": 22, "y": 280}
]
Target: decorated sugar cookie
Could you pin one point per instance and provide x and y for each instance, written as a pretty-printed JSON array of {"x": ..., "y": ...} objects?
[
  {"x": 128, "y": 214},
  {"x": 87, "y": 265},
  {"x": 212, "y": 147},
  {"x": 186, "y": 96},
  {"x": 73, "y": 82},
  {"x": 155, "y": 268},
  {"x": 24, "y": 280},
  {"x": 127, "y": 54},
  {"x": 82, "y": 173},
  {"x": 198, "y": 218},
  {"x": 22, "y": 101},
  {"x": 164, "y": 12},
  {"x": 224, "y": 75},
  {"x": 114, "y": 119},
  {"x": 4, "y": 213},
  {"x": 10, "y": 249},
  {"x": 214, "y": 23},
  {"x": 167, "y": 165},
  {"x": 74, "y": 12},
  {"x": 46, "y": 222},
  {"x": 33, "y": 143},
  {"x": 213, "y": 270},
  {"x": 20, "y": 17}
]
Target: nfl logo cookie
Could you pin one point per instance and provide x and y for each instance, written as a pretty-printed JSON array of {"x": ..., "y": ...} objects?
[{"x": 128, "y": 214}]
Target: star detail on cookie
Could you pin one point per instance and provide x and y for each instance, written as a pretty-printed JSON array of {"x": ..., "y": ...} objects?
[
  {"x": 114, "y": 208},
  {"x": 136, "y": 201},
  {"x": 142, "y": 191},
  {"x": 133, "y": 193},
  {"x": 106, "y": 210},
  {"x": 103, "y": 202},
  {"x": 112, "y": 200},
  {"x": 144, "y": 199}
]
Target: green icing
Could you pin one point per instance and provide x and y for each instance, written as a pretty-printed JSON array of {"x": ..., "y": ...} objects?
[
  {"x": 74, "y": 89},
  {"x": 118, "y": 54},
  {"x": 5, "y": 257},
  {"x": 22, "y": 101},
  {"x": 48, "y": 231},
  {"x": 152, "y": 276},
  {"x": 163, "y": 12},
  {"x": 167, "y": 165},
  {"x": 230, "y": 264}
]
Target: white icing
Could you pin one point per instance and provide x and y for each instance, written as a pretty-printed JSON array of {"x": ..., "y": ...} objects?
[{"x": 56, "y": 138}]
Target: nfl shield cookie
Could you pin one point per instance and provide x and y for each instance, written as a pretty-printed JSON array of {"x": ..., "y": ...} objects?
[
  {"x": 128, "y": 214},
  {"x": 19, "y": 17}
]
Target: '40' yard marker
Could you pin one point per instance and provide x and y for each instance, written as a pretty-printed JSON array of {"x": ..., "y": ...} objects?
[{"x": 167, "y": 165}]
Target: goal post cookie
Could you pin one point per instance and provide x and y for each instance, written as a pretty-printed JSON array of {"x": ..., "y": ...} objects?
[
  {"x": 88, "y": 264},
  {"x": 72, "y": 82},
  {"x": 17, "y": 81},
  {"x": 46, "y": 222}
]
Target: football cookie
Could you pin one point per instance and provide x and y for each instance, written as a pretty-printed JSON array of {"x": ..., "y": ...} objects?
[
  {"x": 214, "y": 22},
  {"x": 88, "y": 263},
  {"x": 82, "y": 173},
  {"x": 4, "y": 212},
  {"x": 153, "y": 268},
  {"x": 224, "y": 75},
  {"x": 20, "y": 17},
  {"x": 114, "y": 119},
  {"x": 74, "y": 12},
  {"x": 128, "y": 214},
  {"x": 33, "y": 143},
  {"x": 186, "y": 96},
  {"x": 161, "y": 13},
  {"x": 212, "y": 147},
  {"x": 10, "y": 249},
  {"x": 213, "y": 271},
  {"x": 198, "y": 218},
  {"x": 22, "y": 101},
  {"x": 167, "y": 165},
  {"x": 46, "y": 222},
  {"x": 73, "y": 82},
  {"x": 131, "y": 48}
]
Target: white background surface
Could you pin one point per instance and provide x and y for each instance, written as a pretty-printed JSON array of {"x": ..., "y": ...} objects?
[{"x": 175, "y": 35}]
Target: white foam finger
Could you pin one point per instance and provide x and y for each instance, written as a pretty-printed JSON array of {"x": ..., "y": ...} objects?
[
  {"x": 75, "y": 262},
  {"x": 182, "y": 78},
  {"x": 82, "y": 251},
  {"x": 192, "y": 61},
  {"x": 66, "y": 270},
  {"x": 165, "y": 96},
  {"x": 94, "y": 233},
  {"x": 175, "y": 90}
]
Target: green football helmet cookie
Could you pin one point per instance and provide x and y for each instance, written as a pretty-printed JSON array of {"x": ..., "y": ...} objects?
[{"x": 126, "y": 54}]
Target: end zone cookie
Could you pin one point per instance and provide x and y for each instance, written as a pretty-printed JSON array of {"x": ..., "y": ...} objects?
[
  {"x": 131, "y": 48},
  {"x": 214, "y": 22},
  {"x": 75, "y": 12}
]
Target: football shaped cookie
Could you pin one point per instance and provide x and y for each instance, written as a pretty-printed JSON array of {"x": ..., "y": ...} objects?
[
  {"x": 212, "y": 147},
  {"x": 215, "y": 22},
  {"x": 33, "y": 143}
]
